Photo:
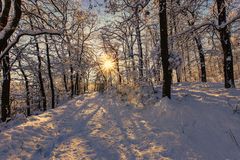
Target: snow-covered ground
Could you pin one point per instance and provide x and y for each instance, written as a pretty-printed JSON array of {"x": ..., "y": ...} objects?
[{"x": 198, "y": 123}]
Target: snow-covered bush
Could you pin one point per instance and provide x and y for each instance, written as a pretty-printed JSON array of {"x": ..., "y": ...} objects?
[{"x": 136, "y": 95}]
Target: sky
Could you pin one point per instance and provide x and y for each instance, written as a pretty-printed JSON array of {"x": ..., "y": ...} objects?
[{"x": 97, "y": 6}]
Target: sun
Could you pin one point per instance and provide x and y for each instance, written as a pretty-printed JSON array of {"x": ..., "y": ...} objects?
[{"x": 107, "y": 63}]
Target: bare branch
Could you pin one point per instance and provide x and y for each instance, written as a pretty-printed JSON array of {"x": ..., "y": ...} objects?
[{"x": 27, "y": 33}]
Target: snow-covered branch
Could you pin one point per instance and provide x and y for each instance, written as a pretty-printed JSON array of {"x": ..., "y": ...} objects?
[
  {"x": 234, "y": 19},
  {"x": 10, "y": 25},
  {"x": 27, "y": 33},
  {"x": 207, "y": 24},
  {"x": 194, "y": 28}
]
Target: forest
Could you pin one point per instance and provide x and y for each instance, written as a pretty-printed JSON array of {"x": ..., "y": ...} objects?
[{"x": 120, "y": 79}]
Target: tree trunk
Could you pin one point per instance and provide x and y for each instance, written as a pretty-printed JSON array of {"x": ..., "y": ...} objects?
[
  {"x": 77, "y": 84},
  {"x": 65, "y": 82},
  {"x": 226, "y": 45},
  {"x": 131, "y": 55},
  {"x": 6, "y": 108},
  {"x": 87, "y": 81},
  {"x": 203, "y": 75},
  {"x": 40, "y": 79},
  {"x": 71, "y": 80},
  {"x": 158, "y": 69},
  {"x": 178, "y": 71},
  {"x": 9, "y": 19},
  {"x": 202, "y": 59},
  {"x": 118, "y": 72},
  {"x": 50, "y": 73},
  {"x": 71, "y": 68},
  {"x": 26, "y": 88},
  {"x": 167, "y": 73},
  {"x": 126, "y": 66},
  {"x": 39, "y": 72},
  {"x": 133, "y": 63},
  {"x": 139, "y": 43}
]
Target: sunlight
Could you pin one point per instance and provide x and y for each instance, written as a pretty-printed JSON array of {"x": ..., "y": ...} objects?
[{"x": 107, "y": 63}]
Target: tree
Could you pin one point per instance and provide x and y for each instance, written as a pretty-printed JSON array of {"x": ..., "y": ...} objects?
[
  {"x": 49, "y": 67},
  {"x": 10, "y": 17},
  {"x": 224, "y": 32},
  {"x": 167, "y": 72},
  {"x": 26, "y": 86},
  {"x": 195, "y": 15}
]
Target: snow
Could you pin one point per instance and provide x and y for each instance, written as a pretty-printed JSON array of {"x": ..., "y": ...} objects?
[
  {"x": 229, "y": 58},
  {"x": 198, "y": 123}
]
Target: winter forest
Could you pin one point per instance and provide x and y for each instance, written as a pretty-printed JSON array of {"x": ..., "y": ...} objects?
[{"x": 120, "y": 79}]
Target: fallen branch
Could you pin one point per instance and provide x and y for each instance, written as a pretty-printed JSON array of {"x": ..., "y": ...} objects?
[{"x": 233, "y": 138}]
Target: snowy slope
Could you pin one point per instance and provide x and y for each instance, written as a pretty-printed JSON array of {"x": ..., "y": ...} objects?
[{"x": 198, "y": 123}]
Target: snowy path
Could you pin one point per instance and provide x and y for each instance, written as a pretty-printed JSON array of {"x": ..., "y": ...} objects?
[{"x": 100, "y": 127}]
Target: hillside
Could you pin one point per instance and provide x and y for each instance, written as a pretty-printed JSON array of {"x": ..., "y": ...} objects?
[{"x": 198, "y": 123}]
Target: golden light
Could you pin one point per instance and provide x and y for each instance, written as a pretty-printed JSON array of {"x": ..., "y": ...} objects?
[{"x": 107, "y": 63}]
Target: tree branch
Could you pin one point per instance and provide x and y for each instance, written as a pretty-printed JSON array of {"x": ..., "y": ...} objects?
[{"x": 27, "y": 33}]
